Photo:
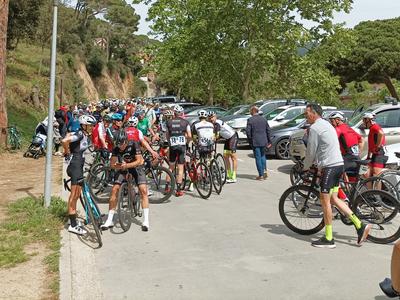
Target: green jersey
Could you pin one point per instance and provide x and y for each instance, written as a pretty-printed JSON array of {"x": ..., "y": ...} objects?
[{"x": 144, "y": 126}]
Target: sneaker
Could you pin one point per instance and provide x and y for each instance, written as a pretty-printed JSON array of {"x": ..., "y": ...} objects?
[
  {"x": 362, "y": 233},
  {"x": 145, "y": 228},
  {"x": 179, "y": 193},
  {"x": 259, "y": 178},
  {"x": 231, "y": 180},
  {"x": 107, "y": 224},
  {"x": 387, "y": 288},
  {"x": 77, "y": 230},
  {"x": 324, "y": 243}
]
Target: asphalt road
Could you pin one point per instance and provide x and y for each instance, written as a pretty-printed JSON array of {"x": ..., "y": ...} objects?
[{"x": 231, "y": 246}]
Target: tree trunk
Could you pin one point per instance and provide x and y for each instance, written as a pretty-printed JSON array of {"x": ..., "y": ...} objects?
[
  {"x": 246, "y": 88},
  {"x": 390, "y": 87},
  {"x": 210, "y": 89},
  {"x": 3, "y": 41}
]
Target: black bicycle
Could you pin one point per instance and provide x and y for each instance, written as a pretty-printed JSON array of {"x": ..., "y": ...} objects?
[{"x": 128, "y": 203}]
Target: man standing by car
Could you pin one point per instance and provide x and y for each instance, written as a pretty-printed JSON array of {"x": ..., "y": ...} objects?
[
  {"x": 258, "y": 135},
  {"x": 323, "y": 148}
]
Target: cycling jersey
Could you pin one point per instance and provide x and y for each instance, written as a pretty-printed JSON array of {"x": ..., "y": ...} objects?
[
  {"x": 98, "y": 131},
  {"x": 348, "y": 139},
  {"x": 373, "y": 139},
  {"x": 79, "y": 143},
  {"x": 110, "y": 133},
  {"x": 144, "y": 126},
  {"x": 127, "y": 155},
  {"x": 205, "y": 133},
  {"x": 134, "y": 134},
  {"x": 225, "y": 131},
  {"x": 177, "y": 129}
]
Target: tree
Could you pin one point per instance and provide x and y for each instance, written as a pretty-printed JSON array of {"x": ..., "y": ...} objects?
[
  {"x": 237, "y": 48},
  {"x": 3, "y": 43},
  {"x": 376, "y": 56}
]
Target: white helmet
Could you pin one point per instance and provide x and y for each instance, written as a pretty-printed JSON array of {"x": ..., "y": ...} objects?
[
  {"x": 337, "y": 115},
  {"x": 178, "y": 109},
  {"x": 87, "y": 120},
  {"x": 202, "y": 113},
  {"x": 168, "y": 113},
  {"x": 133, "y": 121},
  {"x": 369, "y": 115}
]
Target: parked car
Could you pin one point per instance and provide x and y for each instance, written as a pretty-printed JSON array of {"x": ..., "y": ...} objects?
[
  {"x": 166, "y": 99},
  {"x": 387, "y": 116},
  {"x": 187, "y": 106},
  {"x": 283, "y": 114}
]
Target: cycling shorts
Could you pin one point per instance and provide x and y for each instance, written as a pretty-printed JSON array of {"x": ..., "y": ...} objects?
[
  {"x": 75, "y": 171},
  {"x": 330, "y": 178},
  {"x": 350, "y": 166},
  {"x": 204, "y": 151},
  {"x": 378, "y": 160},
  {"x": 230, "y": 145},
  {"x": 138, "y": 173},
  {"x": 177, "y": 153}
]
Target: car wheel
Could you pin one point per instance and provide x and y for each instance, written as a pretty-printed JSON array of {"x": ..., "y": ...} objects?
[{"x": 282, "y": 149}]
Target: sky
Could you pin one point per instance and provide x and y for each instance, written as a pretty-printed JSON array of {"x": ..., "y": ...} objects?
[{"x": 362, "y": 10}]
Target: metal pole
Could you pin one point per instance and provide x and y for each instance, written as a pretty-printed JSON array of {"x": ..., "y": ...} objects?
[{"x": 49, "y": 152}]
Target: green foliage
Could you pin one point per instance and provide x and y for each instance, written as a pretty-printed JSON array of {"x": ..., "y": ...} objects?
[{"x": 95, "y": 63}]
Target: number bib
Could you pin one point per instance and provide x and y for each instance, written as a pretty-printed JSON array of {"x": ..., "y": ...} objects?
[{"x": 177, "y": 141}]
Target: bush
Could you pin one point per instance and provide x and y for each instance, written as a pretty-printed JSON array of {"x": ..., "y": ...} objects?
[
  {"x": 96, "y": 63},
  {"x": 122, "y": 73},
  {"x": 112, "y": 66}
]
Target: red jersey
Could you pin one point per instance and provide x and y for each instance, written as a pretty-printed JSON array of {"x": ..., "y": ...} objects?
[
  {"x": 348, "y": 138},
  {"x": 373, "y": 138},
  {"x": 133, "y": 134}
]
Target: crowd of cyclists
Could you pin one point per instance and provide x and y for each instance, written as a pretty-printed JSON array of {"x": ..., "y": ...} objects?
[{"x": 121, "y": 130}]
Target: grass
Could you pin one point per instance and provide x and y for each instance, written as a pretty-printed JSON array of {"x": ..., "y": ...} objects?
[{"x": 29, "y": 222}]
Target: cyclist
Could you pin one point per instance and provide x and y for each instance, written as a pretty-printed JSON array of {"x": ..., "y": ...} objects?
[
  {"x": 203, "y": 134},
  {"x": 178, "y": 134},
  {"x": 376, "y": 143},
  {"x": 351, "y": 143},
  {"x": 127, "y": 158},
  {"x": 136, "y": 135},
  {"x": 230, "y": 136},
  {"x": 75, "y": 144},
  {"x": 144, "y": 126},
  {"x": 323, "y": 148},
  {"x": 111, "y": 131}
]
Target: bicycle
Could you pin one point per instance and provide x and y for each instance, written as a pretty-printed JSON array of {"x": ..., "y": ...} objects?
[
  {"x": 216, "y": 177},
  {"x": 93, "y": 214},
  {"x": 219, "y": 158},
  {"x": 301, "y": 210},
  {"x": 13, "y": 137},
  {"x": 128, "y": 205}
]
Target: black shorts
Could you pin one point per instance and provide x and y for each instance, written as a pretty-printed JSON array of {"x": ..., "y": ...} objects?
[
  {"x": 231, "y": 144},
  {"x": 177, "y": 153},
  {"x": 138, "y": 173},
  {"x": 75, "y": 171},
  {"x": 350, "y": 166},
  {"x": 330, "y": 178},
  {"x": 378, "y": 160}
]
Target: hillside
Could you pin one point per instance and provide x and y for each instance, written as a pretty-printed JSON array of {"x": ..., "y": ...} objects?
[{"x": 28, "y": 72}]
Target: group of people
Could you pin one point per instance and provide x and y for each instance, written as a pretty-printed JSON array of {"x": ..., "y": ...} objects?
[{"x": 120, "y": 135}]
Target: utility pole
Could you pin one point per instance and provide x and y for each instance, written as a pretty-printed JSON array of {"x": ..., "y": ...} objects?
[
  {"x": 49, "y": 152},
  {"x": 3, "y": 51}
]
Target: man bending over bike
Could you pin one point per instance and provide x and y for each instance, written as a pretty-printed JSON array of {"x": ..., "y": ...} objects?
[
  {"x": 75, "y": 144},
  {"x": 127, "y": 158},
  {"x": 323, "y": 148}
]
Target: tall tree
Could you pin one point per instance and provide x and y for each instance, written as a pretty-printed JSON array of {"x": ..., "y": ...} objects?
[
  {"x": 3, "y": 42},
  {"x": 376, "y": 56}
]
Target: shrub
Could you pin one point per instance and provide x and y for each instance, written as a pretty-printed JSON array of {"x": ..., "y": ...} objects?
[{"x": 96, "y": 63}]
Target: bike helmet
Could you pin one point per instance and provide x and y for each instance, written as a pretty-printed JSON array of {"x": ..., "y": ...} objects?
[
  {"x": 120, "y": 137},
  {"x": 202, "y": 113},
  {"x": 369, "y": 116},
  {"x": 87, "y": 120},
  {"x": 212, "y": 113},
  {"x": 107, "y": 118},
  {"x": 133, "y": 121},
  {"x": 168, "y": 113},
  {"x": 337, "y": 115},
  {"x": 178, "y": 109},
  {"x": 116, "y": 117}
]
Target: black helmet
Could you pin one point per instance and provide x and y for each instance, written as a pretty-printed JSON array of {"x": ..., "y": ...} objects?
[{"x": 120, "y": 137}]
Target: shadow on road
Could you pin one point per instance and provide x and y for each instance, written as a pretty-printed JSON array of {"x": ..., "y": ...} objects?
[
  {"x": 285, "y": 168},
  {"x": 27, "y": 191},
  {"x": 280, "y": 229}
]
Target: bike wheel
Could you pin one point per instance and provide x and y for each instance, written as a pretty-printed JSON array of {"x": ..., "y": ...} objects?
[
  {"x": 219, "y": 158},
  {"x": 157, "y": 178},
  {"x": 381, "y": 210},
  {"x": 93, "y": 222},
  {"x": 98, "y": 182},
  {"x": 185, "y": 178},
  {"x": 202, "y": 180},
  {"x": 301, "y": 210},
  {"x": 216, "y": 176},
  {"x": 382, "y": 182},
  {"x": 124, "y": 207}
]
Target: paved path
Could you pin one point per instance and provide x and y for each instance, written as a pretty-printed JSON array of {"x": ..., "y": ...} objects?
[{"x": 232, "y": 246}]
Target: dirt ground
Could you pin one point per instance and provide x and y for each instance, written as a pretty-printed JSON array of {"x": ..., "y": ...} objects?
[{"x": 21, "y": 177}]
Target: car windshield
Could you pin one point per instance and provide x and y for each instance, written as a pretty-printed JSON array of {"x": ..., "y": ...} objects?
[
  {"x": 358, "y": 117},
  {"x": 274, "y": 113},
  {"x": 233, "y": 110},
  {"x": 295, "y": 121}
]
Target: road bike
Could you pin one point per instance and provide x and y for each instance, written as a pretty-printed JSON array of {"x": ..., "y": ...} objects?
[{"x": 128, "y": 203}]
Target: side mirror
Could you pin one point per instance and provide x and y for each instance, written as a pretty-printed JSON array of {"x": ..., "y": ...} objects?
[{"x": 280, "y": 118}]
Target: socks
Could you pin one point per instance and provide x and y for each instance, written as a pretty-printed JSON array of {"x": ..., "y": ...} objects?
[
  {"x": 110, "y": 216},
  {"x": 72, "y": 220},
  {"x": 229, "y": 174},
  {"x": 233, "y": 175},
  {"x": 356, "y": 221},
  {"x": 328, "y": 232},
  {"x": 146, "y": 217}
]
